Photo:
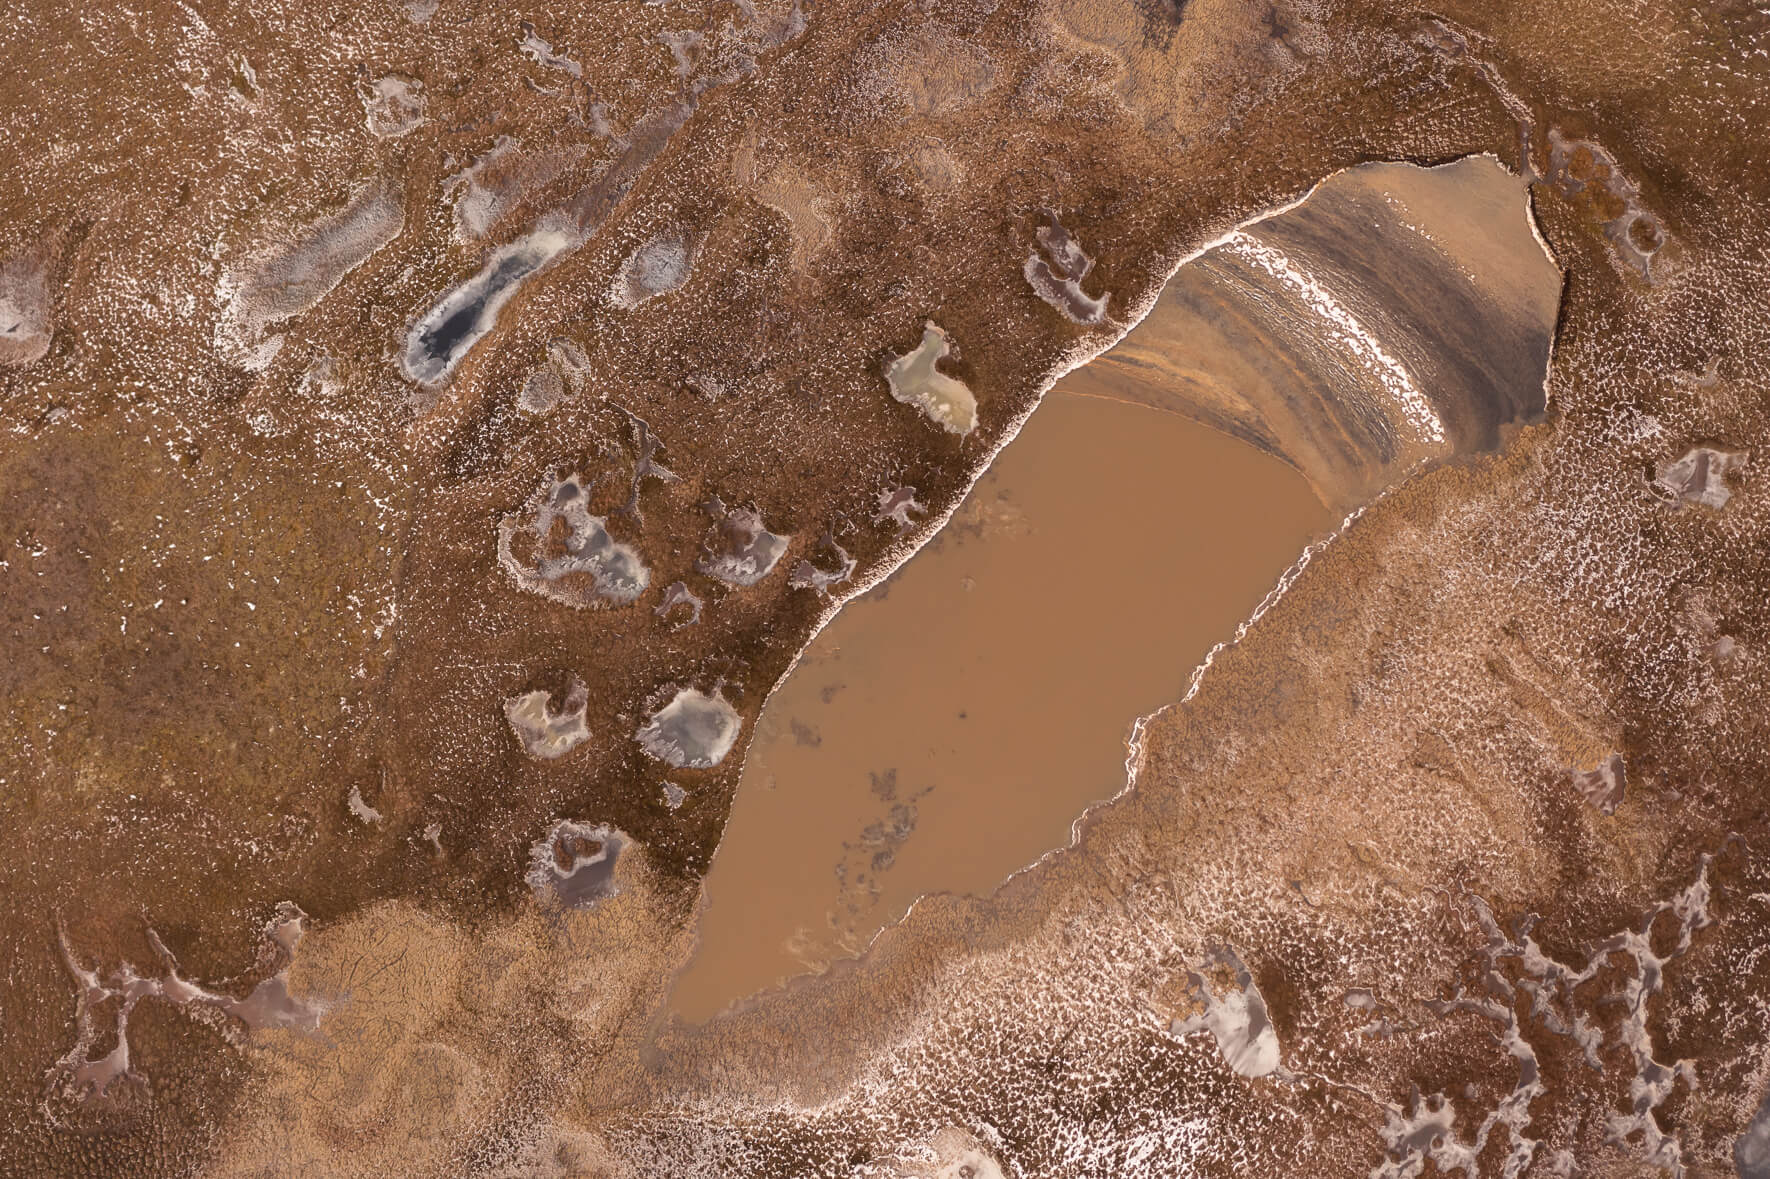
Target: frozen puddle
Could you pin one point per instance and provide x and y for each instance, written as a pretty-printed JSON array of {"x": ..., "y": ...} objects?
[
  {"x": 739, "y": 550},
  {"x": 81, "y": 1076},
  {"x": 540, "y": 51},
  {"x": 547, "y": 732},
  {"x": 1700, "y": 477},
  {"x": 1234, "y": 1014},
  {"x": 694, "y": 731},
  {"x": 467, "y": 312},
  {"x": 915, "y": 380},
  {"x": 574, "y": 863},
  {"x": 580, "y": 565},
  {"x": 1055, "y": 271}
]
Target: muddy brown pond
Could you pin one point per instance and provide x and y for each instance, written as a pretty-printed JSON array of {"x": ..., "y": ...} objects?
[{"x": 949, "y": 725}]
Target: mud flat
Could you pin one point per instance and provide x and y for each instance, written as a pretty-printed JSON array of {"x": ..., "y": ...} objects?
[{"x": 948, "y": 726}]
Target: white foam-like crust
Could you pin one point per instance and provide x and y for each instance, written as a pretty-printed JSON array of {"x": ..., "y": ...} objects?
[{"x": 1346, "y": 329}]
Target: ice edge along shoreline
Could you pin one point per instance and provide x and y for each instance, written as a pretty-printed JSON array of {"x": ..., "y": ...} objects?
[{"x": 1077, "y": 355}]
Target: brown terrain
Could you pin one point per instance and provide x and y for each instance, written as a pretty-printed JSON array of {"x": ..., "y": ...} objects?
[{"x": 434, "y": 428}]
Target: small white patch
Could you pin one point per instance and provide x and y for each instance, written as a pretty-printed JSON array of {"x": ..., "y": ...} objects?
[
  {"x": 545, "y": 732},
  {"x": 952, "y": 1153},
  {"x": 361, "y": 809},
  {"x": 680, "y": 595},
  {"x": 808, "y": 576},
  {"x": 693, "y": 732},
  {"x": 565, "y": 372},
  {"x": 656, "y": 268},
  {"x": 1056, "y": 270},
  {"x": 25, "y": 311},
  {"x": 915, "y": 380},
  {"x": 685, "y": 47},
  {"x": 393, "y": 106},
  {"x": 541, "y": 53},
  {"x": 899, "y": 504},
  {"x": 483, "y": 193}
]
